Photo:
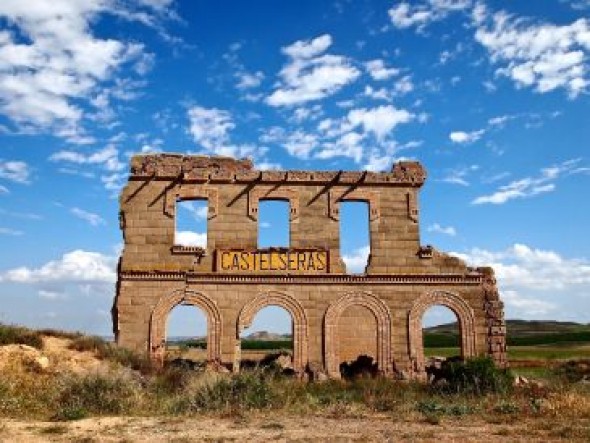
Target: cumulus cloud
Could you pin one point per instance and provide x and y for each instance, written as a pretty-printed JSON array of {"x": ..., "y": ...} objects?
[
  {"x": 530, "y": 186},
  {"x": 378, "y": 70},
  {"x": 310, "y": 74},
  {"x": 190, "y": 238},
  {"x": 75, "y": 266},
  {"x": 449, "y": 230},
  {"x": 463, "y": 137},
  {"x": 51, "y": 62},
  {"x": 379, "y": 121},
  {"x": 536, "y": 282},
  {"x": 211, "y": 128},
  {"x": 356, "y": 261},
  {"x": 406, "y": 15},
  {"x": 90, "y": 217},
  {"x": 16, "y": 171},
  {"x": 543, "y": 56}
]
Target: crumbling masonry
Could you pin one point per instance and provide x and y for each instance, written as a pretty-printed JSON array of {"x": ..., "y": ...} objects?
[{"x": 336, "y": 316}]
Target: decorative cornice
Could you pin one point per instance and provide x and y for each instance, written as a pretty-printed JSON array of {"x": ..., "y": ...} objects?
[
  {"x": 331, "y": 279},
  {"x": 201, "y": 169}
]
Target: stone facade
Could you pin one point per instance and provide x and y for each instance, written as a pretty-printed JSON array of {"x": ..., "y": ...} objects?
[{"x": 335, "y": 315}]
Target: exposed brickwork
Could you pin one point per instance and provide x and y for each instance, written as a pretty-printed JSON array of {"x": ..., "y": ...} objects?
[{"x": 335, "y": 315}]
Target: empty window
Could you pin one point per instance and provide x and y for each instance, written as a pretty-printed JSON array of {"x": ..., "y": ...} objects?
[
  {"x": 191, "y": 223},
  {"x": 273, "y": 223},
  {"x": 354, "y": 236}
]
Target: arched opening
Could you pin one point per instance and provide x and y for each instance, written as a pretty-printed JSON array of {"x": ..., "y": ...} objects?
[
  {"x": 159, "y": 320},
  {"x": 268, "y": 340},
  {"x": 354, "y": 235},
  {"x": 186, "y": 336},
  {"x": 297, "y": 318},
  {"x": 368, "y": 315},
  {"x": 441, "y": 337},
  {"x": 358, "y": 343},
  {"x": 463, "y": 314}
]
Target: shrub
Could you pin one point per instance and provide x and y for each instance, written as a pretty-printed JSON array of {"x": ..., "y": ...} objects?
[
  {"x": 18, "y": 335},
  {"x": 475, "y": 376},
  {"x": 245, "y": 391},
  {"x": 94, "y": 394}
]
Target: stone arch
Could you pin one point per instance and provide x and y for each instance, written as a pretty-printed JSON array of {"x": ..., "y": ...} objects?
[
  {"x": 465, "y": 319},
  {"x": 300, "y": 326},
  {"x": 159, "y": 316},
  {"x": 381, "y": 312}
]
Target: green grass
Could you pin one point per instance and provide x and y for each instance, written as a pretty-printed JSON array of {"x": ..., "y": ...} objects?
[{"x": 541, "y": 352}]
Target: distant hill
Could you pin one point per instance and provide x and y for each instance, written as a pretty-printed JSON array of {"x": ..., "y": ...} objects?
[
  {"x": 522, "y": 328},
  {"x": 265, "y": 335}
]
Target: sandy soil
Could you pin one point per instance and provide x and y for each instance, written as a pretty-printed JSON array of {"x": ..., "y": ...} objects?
[{"x": 288, "y": 429}]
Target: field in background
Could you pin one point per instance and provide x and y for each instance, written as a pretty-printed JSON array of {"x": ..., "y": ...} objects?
[{"x": 533, "y": 346}]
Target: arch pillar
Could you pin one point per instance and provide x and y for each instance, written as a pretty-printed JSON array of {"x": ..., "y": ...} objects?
[
  {"x": 465, "y": 320},
  {"x": 300, "y": 325},
  {"x": 159, "y": 316},
  {"x": 381, "y": 312}
]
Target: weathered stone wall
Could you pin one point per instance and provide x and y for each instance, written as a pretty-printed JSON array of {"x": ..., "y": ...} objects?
[{"x": 335, "y": 315}]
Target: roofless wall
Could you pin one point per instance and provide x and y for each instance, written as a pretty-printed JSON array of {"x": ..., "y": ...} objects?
[{"x": 231, "y": 279}]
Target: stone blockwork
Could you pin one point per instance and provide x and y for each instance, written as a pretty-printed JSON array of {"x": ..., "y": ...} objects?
[{"x": 335, "y": 315}]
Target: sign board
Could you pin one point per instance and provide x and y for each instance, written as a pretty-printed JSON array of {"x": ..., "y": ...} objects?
[{"x": 272, "y": 261}]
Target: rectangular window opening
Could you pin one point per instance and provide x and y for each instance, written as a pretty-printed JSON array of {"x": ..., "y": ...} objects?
[
  {"x": 273, "y": 224},
  {"x": 355, "y": 242},
  {"x": 191, "y": 223}
]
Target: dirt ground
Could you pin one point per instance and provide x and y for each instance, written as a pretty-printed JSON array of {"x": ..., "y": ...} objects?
[{"x": 290, "y": 429}]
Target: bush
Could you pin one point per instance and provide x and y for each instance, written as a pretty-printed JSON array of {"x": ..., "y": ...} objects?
[
  {"x": 17, "y": 335},
  {"x": 245, "y": 391},
  {"x": 98, "y": 394},
  {"x": 477, "y": 376},
  {"x": 110, "y": 351}
]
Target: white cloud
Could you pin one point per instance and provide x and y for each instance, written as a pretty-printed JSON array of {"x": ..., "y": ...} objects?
[
  {"x": 50, "y": 295},
  {"x": 90, "y": 217},
  {"x": 539, "y": 55},
  {"x": 463, "y": 137},
  {"x": 52, "y": 64},
  {"x": 199, "y": 212},
  {"x": 190, "y": 238},
  {"x": 379, "y": 121},
  {"x": 306, "y": 49},
  {"x": 357, "y": 260},
  {"x": 16, "y": 171},
  {"x": 310, "y": 74},
  {"x": 378, "y": 70},
  {"x": 9, "y": 231},
  {"x": 536, "y": 282},
  {"x": 449, "y": 230},
  {"x": 530, "y": 186},
  {"x": 406, "y": 15},
  {"x": 74, "y": 266},
  {"x": 108, "y": 157},
  {"x": 211, "y": 127},
  {"x": 248, "y": 80},
  {"x": 458, "y": 176},
  {"x": 4, "y": 190}
]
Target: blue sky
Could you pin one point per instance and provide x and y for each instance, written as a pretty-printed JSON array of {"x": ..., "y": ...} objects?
[{"x": 491, "y": 97}]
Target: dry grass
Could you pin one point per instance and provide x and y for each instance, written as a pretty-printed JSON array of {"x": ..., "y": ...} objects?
[{"x": 123, "y": 387}]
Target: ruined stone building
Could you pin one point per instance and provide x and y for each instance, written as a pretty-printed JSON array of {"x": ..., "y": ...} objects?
[{"x": 336, "y": 316}]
